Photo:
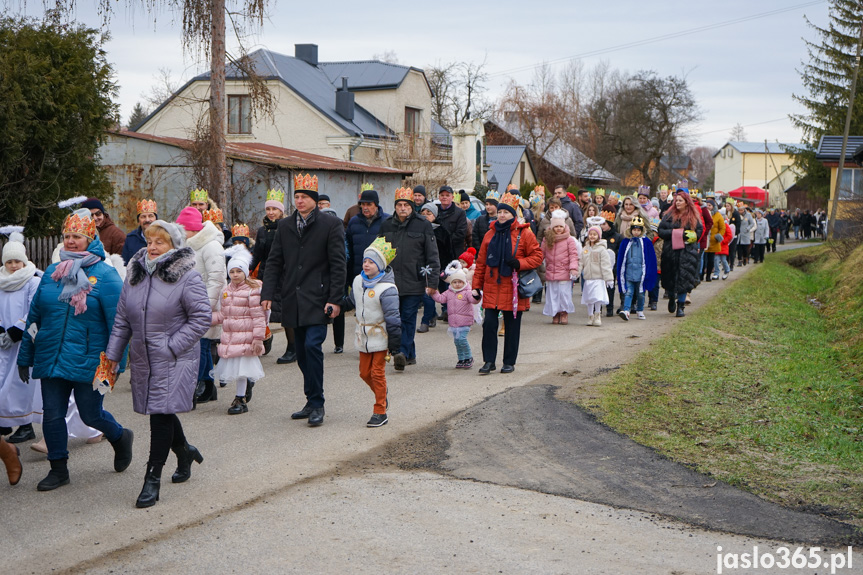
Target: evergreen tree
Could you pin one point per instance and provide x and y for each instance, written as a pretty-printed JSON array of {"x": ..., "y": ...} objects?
[
  {"x": 826, "y": 79},
  {"x": 137, "y": 116}
]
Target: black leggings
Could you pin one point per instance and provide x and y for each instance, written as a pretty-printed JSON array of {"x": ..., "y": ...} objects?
[{"x": 166, "y": 433}]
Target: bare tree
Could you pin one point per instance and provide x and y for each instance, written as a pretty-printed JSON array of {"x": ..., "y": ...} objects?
[
  {"x": 458, "y": 92},
  {"x": 164, "y": 86},
  {"x": 703, "y": 163},
  {"x": 737, "y": 134},
  {"x": 388, "y": 56}
]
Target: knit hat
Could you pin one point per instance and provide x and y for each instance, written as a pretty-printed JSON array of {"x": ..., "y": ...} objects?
[
  {"x": 191, "y": 219},
  {"x": 93, "y": 203},
  {"x": 14, "y": 248},
  {"x": 275, "y": 199},
  {"x": 178, "y": 236},
  {"x": 369, "y": 197},
  {"x": 381, "y": 252},
  {"x": 596, "y": 229},
  {"x": 430, "y": 206},
  {"x": 240, "y": 256},
  {"x": 323, "y": 198},
  {"x": 456, "y": 275},
  {"x": 558, "y": 218},
  {"x": 468, "y": 256},
  {"x": 420, "y": 190}
]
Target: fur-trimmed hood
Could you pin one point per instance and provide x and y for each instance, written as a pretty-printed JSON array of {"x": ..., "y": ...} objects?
[
  {"x": 169, "y": 270},
  {"x": 207, "y": 234}
]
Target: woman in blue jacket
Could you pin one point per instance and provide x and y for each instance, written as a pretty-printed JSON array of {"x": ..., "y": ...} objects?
[{"x": 73, "y": 311}]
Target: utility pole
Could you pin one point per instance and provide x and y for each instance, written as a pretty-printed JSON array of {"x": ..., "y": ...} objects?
[{"x": 834, "y": 203}]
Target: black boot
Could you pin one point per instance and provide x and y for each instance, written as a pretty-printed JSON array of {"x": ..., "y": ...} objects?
[
  {"x": 58, "y": 476},
  {"x": 210, "y": 393},
  {"x": 609, "y": 311},
  {"x": 150, "y": 492},
  {"x": 123, "y": 450},
  {"x": 680, "y": 307},
  {"x": 185, "y": 457},
  {"x": 290, "y": 355},
  {"x": 23, "y": 433},
  {"x": 268, "y": 345}
]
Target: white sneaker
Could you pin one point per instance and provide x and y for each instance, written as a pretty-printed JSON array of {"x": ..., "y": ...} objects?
[
  {"x": 640, "y": 315},
  {"x": 725, "y": 276},
  {"x": 596, "y": 320},
  {"x": 591, "y": 319}
]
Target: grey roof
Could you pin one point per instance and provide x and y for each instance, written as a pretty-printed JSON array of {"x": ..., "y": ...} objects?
[
  {"x": 564, "y": 157},
  {"x": 366, "y": 75},
  {"x": 440, "y": 135},
  {"x": 758, "y": 147},
  {"x": 676, "y": 162},
  {"x": 309, "y": 83},
  {"x": 503, "y": 162},
  {"x": 829, "y": 148}
]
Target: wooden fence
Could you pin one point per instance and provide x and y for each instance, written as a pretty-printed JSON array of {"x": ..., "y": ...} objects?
[{"x": 39, "y": 250}]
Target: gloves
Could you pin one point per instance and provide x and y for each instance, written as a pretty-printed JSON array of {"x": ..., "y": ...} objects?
[
  {"x": 690, "y": 236},
  {"x": 609, "y": 284},
  {"x": 718, "y": 238},
  {"x": 393, "y": 344},
  {"x": 513, "y": 263},
  {"x": 5, "y": 340},
  {"x": 15, "y": 334},
  {"x": 24, "y": 373},
  {"x": 258, "y": 347},
  {"x": 477, "y": 293}
]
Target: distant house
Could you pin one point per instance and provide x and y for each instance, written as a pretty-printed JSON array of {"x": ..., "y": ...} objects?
[
  {"x": 672, "y": 169},
  {"x": 849, "y": 214},
  {"x": 556, "y": 162},
  {"x": 509, "y": 165},
  {"x": 750, "y": 164}
]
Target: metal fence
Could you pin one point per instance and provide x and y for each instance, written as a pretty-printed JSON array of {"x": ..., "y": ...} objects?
[{"x": 39, "y": 250}]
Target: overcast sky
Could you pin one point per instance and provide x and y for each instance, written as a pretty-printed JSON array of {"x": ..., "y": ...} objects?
[{"x": 740, "y": 56}]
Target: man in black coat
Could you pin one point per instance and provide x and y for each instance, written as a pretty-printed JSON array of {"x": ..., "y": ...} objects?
[
  {"x": 416, "y": 268},
  {"x": 482, "y": 223},
  {"x": 307, "y": 263}
]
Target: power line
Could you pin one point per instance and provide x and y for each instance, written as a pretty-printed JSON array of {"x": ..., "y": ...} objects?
[
  {"x": 746, "y": 126},
  {"x": 660, "y": 38}
]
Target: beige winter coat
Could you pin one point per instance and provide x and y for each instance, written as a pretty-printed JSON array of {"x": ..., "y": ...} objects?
[{"x": 596, "y": 262}]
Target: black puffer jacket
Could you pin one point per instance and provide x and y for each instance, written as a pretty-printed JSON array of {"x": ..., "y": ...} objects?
[
  {"x": 679, "y": 267},
  {"x": 416, "y": 253},
  {"x": 263, "y": 243}
]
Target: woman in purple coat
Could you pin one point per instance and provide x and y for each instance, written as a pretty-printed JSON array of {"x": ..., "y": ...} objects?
[{"x": 164, "y": 310}]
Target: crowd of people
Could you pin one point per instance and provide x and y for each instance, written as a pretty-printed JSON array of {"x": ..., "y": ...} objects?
[{"x": 185, "y": 306}]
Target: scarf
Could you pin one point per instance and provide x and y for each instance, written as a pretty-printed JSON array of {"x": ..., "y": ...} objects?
[
  {"x": 70, "y": 273},
  {"x": 270, "y": 225},
  {"x": 302, "y": 223},
  {"x": 370, "y": 282},
  {"x": 150, "y": 265},
  {"x": 16, "y": 280},
  {"x": 500, "y": 249}
]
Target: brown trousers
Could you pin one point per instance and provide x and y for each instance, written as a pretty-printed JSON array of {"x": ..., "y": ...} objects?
[{"x": 373, "y": 372}]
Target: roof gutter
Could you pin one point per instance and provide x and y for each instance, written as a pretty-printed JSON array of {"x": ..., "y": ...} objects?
[{"x": 355, "y": 146}]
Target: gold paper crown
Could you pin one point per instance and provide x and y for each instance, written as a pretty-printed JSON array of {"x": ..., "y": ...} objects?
[
  {"x": 240, "y": 231},
  {"x": 81, "y": 223},
  {"x": 199, "y": 195},
  {"x": 709, "y": 194},
  {"x": 637, "y": 221},
  {"x": 492, "y": 195},
  {"x": 539, "y": 190},
  {"x": 146, "y": 207},
  {"x": 384, "y": 248},
  {"x": 608, "y": 216},
  {"x": 404, "y": 194},
  {"x": 214, "y": 215},
  {"x": 307, "y": 183},
  {"x": 276, "y": 195},
  {"x": 599, "y": 192},
  {"x": 663, "y": 188},
  {"x": 367, "y": 186},
  {"x": 511, "y": 187},
  {"x": 511, "y": 200}
]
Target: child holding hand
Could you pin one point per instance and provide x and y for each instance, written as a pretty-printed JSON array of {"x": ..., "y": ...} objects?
[{"x": 459, "y": 300}]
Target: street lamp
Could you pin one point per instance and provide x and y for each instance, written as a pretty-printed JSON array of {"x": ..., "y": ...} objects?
[{"x": 492, "y": 182}]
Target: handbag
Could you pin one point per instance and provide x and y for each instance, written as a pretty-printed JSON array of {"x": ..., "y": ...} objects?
[{"x": 529, "y": 282}]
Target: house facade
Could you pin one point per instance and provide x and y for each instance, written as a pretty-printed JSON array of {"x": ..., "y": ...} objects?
[
  {"x": 849, "y": 213},
  {"x": 749, "y": 164}
]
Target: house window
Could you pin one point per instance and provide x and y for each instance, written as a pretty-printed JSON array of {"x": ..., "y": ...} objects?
[
  {"x": 851, "y": 187},
  {"x": 412, "y": 121},
  {"x": 239, "y": 114}
]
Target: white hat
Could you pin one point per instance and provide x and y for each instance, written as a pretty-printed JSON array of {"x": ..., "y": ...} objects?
[
  {"x": 14, "y": 248},
  {"x": 456, "y": 275},
  {"x": 240, "y": 256}
]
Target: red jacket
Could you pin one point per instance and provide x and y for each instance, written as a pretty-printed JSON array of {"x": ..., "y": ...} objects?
[
  {"x": 706, "y": 216},
  {"x": 726, "y": 239},
  {"x": 499, "y": 295}
]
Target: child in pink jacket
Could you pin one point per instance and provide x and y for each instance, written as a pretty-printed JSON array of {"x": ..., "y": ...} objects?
[
  {"x": 561, "y": 266},
  {"x": 459, "y": 304},
  {"x": 244, "y": 327}
]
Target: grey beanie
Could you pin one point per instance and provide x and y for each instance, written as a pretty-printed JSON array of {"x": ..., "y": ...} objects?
[
  {"x": 177, "y": 233},
  {"x": 431, "y": 206}
]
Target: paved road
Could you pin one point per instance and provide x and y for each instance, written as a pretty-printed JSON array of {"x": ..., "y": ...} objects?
[{"x": 274, "y": 495}]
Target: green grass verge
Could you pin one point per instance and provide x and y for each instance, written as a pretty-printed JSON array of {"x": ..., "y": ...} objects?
[{"x": 759, "y": 388}]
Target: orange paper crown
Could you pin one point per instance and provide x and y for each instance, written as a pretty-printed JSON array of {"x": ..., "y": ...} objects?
[
  {"x": 79, "y": 223},
  {"x": 146, "y": 207},
  {"x": 406, "y": 194},
  {"x": 240, "y": 231},
  {"x": 511, "y": 187},
  {"x": 307, "y": 183},
  {"x": 512, "y": 200},
  {"x": 608, "y": 216},
  {"x": 214, "y": 215}
]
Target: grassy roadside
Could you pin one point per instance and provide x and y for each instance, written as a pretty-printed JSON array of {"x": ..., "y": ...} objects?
[{"x": 761, "y": 387}]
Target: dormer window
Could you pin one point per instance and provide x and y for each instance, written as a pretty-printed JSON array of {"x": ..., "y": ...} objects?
[{"x": 239, "y": 114}]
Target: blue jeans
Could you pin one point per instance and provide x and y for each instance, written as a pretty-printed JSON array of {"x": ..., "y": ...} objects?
[
  {"x": 632, "y": 290},
  {"x": 700, "y": 262},
  {"x": 462, "y": 346},
  {"x": 55, "y": 403},
  {"x": 205, "y": 367},
  {"x": 309, "y": 340},
  {"x": 408, "y": 307},
  {"x": 429, "y": 309},
  {"x": 723, "y": 262}
]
